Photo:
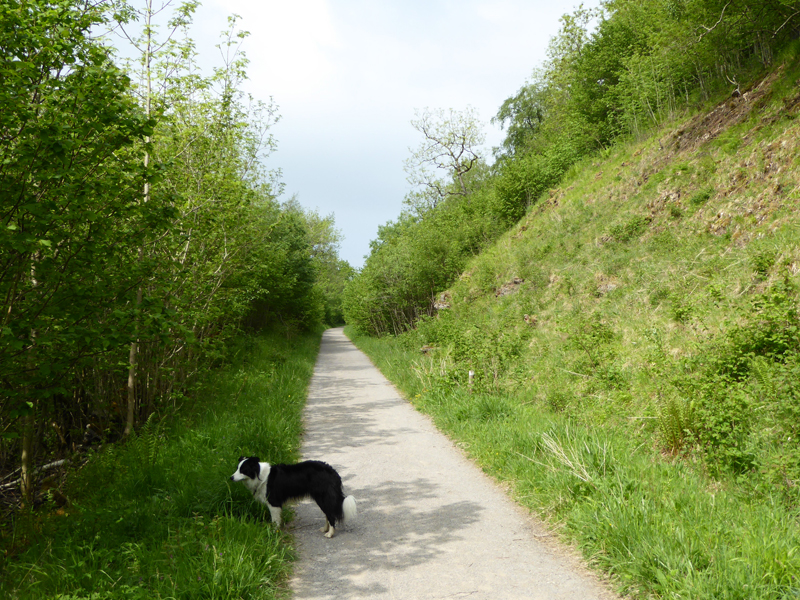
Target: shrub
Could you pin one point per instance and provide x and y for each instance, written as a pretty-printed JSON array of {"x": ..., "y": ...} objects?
[{"x": 701, "y": 197}]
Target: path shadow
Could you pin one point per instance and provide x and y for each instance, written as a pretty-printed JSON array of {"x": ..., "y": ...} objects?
[
  {"x": 340, "y": 421},
  {"x": 392, "y": 533},
  {"x": 356, "y": 422}
]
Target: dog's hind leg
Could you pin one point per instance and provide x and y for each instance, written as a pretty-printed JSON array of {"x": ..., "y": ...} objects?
[
  {"x": 330, "y": 521},
  {"x": 327, "y": 504}
]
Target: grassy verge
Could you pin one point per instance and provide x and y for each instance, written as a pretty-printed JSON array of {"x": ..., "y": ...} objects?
[
  {"x": 658, "y": 526},
  {"x": 157, "y": 517}
]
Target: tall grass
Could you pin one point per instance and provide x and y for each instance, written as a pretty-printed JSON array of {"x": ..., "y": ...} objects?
[
  {"x": 658, "y": 526},
  {"x": 158, "y": 517}
]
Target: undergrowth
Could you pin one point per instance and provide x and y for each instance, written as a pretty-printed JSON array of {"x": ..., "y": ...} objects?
[{"x": 158, "y": 517}]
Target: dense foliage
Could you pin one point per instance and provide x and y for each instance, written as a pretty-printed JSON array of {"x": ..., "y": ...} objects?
[
  {"x": 617, "y": 71},
  {"x": 416, "y": 257},
  {"x": 139, "y": 228}
]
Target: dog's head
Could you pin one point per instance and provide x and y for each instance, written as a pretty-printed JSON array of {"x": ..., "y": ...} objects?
[{"x": 248, "y": 469}]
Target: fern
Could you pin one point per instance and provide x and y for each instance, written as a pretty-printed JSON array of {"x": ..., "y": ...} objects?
[
  {"x": 149, "y": 436},
  {"x": 761, "y": 371},
  {"x": 676, "y": 422}
]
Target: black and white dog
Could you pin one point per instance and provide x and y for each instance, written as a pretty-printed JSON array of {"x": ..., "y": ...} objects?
[{"x": 275, "y": 484}]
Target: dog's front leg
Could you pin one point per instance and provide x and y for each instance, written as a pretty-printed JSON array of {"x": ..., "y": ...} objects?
[{"x": 275, "y": 513}]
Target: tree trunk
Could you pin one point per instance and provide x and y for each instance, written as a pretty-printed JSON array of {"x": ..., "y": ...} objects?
[
  {"x": 133, "y": 360},
  {"x": 26, "y": 478},
  {"x": 134, "y": 352},
  {"x": 26, "y": 460}
]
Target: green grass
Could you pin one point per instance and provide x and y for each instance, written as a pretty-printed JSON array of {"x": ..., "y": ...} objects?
[
  {"x": 641, "y": 388},
  {"x": 658, "y": 526},
  {"x": 158, "y": 517}
]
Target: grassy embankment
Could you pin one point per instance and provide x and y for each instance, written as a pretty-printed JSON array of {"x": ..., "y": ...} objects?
[
  {"x": 635, "y": 343},
  {"x": 157, "y": 517}
]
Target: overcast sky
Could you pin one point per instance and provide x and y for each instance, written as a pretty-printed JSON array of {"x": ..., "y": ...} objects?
[{"x": 348, "y": 74}]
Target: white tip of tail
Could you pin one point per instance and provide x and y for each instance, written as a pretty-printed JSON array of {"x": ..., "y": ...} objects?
[{"x": 349, "y": 508}]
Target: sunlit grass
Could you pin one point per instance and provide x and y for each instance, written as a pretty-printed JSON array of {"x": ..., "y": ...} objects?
[
  {"x": 158, "y": 517},
  {"x": 657, "y": 526}
]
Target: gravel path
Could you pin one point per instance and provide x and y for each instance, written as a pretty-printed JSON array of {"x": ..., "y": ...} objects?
[{"x": 430, "y": 523}]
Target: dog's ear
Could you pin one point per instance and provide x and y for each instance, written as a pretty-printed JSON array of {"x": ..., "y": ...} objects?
[{"x": 250, "y": 467}]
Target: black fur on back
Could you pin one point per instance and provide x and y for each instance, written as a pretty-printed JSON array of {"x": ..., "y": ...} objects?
[{"x": 308, "y": 479}]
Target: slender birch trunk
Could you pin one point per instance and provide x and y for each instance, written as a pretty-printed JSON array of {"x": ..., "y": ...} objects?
[
  {"x": 133, "y": 356},
  {"x": 26, "y": 460},
  {"x": 26, "y": 479}
]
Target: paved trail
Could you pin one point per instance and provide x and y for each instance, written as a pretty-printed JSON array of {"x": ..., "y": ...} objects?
[{"x": 430, "y": 524}]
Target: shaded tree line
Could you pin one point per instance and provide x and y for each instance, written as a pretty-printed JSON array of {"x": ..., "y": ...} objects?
[{"x": 139, "y": 228}]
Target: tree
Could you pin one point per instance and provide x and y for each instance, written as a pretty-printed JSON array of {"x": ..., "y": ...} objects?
[
  {"x": 149, "y": 49},
  {"x": 451, "y": 143},
  {"x": 131, "y": 217},
  {"x": 523, "y": 115},
  {"x": 70, "y": 220},
  {"x": 332, "y": 273}
]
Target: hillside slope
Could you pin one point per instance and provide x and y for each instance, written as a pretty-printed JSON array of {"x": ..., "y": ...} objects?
[
  {"x": 651, "y": 275},
  {"x": 634, "y": 349}
]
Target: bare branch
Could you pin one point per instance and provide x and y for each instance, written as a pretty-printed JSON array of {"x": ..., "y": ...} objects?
[
  {"x": 714, "y": 26},
  {"x": 792, "y": 16},
  {"x": 451, "y": 144}
]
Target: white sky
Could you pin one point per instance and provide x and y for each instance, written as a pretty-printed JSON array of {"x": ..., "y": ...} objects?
[{"x": 348, "y": 74}]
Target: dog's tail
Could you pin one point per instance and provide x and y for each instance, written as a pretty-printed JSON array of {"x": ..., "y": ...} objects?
[{"x": 349, "y": 508}]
